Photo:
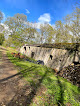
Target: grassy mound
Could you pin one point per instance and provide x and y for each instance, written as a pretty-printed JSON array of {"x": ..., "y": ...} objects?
[{"x": 47, "y": 89}]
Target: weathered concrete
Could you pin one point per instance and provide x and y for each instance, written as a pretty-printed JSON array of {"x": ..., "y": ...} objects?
[{"x": 54, "y": 58}]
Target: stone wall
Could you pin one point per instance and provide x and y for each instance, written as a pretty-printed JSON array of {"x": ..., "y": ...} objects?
[{"x": 54, "y": 58}]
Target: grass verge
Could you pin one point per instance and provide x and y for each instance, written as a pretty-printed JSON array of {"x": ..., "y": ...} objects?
[{"x": 47, "y": 88}]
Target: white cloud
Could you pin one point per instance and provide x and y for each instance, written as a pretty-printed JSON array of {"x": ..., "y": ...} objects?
[
  {"x": 44, "y": 18},
  {"x": 27, "y": 11}
]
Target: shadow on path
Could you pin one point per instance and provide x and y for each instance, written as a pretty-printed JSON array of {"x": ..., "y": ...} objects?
[
  {"x": 26, "y": 99},
  {"x": 61, "y": 99},
  {"x": 19, "y": 73},
  {"x": 4, "y": 79}
]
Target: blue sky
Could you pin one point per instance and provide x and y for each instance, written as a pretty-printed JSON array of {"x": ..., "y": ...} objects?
[{"x": 38, "y": 10}]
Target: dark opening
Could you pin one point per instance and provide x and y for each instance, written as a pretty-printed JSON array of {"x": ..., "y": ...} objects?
[
  {"x": 32, "y": 54},
  {"x": 60, "y": 60},
  {"x": 29, "y": 48},
  {"x": 75, "y": 63},
  {"x": 25, "y": 48},
  {"x": 51, "y": 57},
  {"x": 40, "y": 62}
]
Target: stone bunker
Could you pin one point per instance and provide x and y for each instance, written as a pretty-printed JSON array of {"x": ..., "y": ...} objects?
[{"x": 52, "y": 57}]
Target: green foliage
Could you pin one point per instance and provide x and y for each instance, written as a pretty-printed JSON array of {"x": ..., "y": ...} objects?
[
  {"x": 69, "y": 30},
  {"x": 16, "y": 25},
  {"x": 66, "y": 31},
  {"x": 73, "y": 25},
  {"x": 1, "y": 28},
  {"x": 47, "y": 33},
  {"x": 1, "y": 38},
  {"x": 21, "y": 32}
]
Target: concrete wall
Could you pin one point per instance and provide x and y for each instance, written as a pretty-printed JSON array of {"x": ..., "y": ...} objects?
[{"x": 60, "y": 58}]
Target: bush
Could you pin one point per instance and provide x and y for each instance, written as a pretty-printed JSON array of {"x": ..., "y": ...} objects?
[{"x": 1, "y": 38}]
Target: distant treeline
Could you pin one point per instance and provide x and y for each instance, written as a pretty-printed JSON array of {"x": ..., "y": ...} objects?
[{"x": 21, "y": 31}]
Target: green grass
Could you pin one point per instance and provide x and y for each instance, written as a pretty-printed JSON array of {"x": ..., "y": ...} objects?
[{"x": 57, "y": 91}]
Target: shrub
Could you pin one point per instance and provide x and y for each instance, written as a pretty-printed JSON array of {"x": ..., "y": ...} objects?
[{"x": 1, "y": 38}]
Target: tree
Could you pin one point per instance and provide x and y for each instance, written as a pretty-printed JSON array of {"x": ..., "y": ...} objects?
[
  {"x": 1, "y": 16},
  {"x": 75, "y": 26},
  {"x": 59, "y": 32},
  {"x": 49, "y": 33},
  {"x": 1, "y": 38},
  {"x": 1, "y": 28},
  {"x": 29, "y": 34},
  {"x": 16, "y": 25},
  {"x": 72, "y": 25},
  {"x": 46, "y": 33},
  {"x": 42, "y": 32}
]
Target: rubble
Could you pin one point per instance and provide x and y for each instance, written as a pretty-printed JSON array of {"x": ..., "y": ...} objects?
[{"x": 72, "y": 73}]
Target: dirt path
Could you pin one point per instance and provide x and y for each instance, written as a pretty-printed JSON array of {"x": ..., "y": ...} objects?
[{"x": 14, "y": 89}]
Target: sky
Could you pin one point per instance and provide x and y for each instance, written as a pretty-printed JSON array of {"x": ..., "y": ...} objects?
[{"x": 39, "y": 11}]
